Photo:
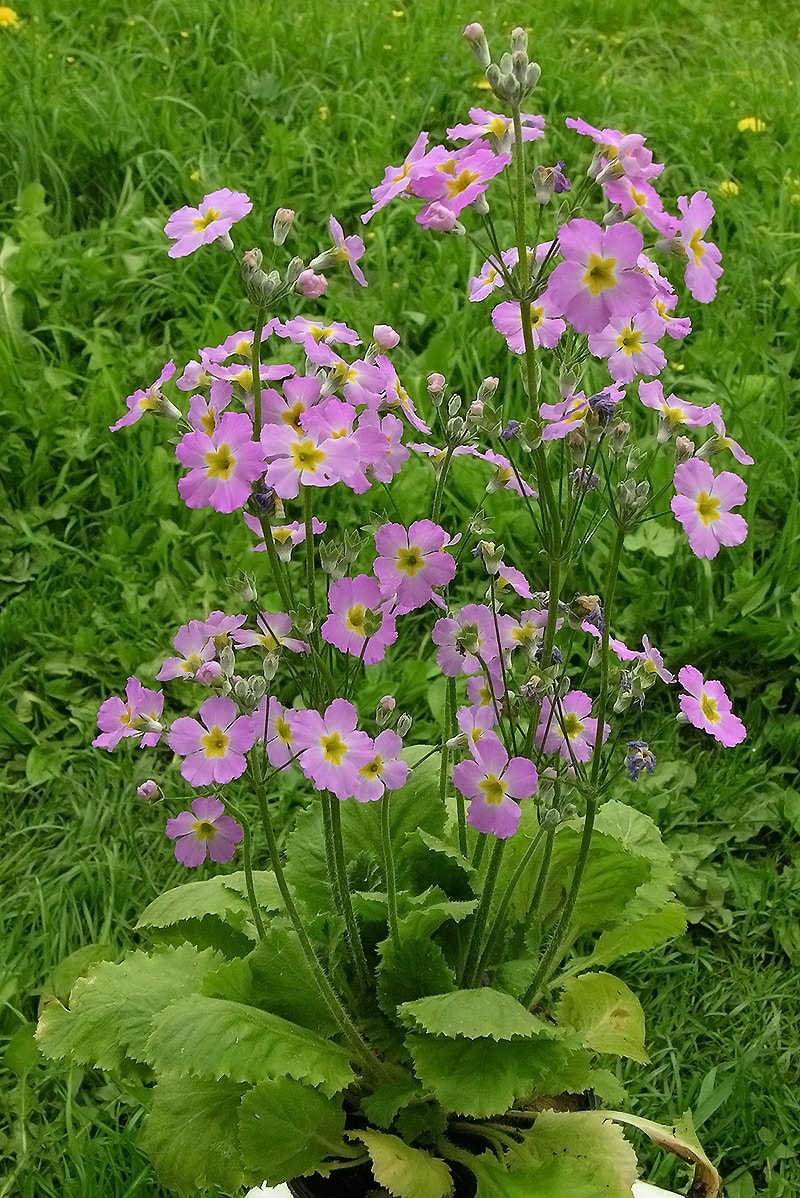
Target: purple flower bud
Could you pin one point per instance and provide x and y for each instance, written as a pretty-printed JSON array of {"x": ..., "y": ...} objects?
[
  {"x": 148, "y": 791},
  {"x": 385, "y": 336},
  {"x": 510, "y": 431}
]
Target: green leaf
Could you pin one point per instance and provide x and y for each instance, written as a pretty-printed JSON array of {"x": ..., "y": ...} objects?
[
  {"x": 474, "y": 1014},
  {"x": 283, "y": 982},
  {"x": 67, "y": 972},
  {"x": 425, "y": 856},
  {"x": 404, "y": 1171},
  {"x": 430, "y": 912},
  {"x": 387, "y": 1098},
  {"x": 191, "y": 1133},
  {"x": 605, "y": 1013},
  {"x": 483, "y": 1077},
  {"x": 287, "y": 1129},
  {"x": 111, "y": 1011},
  {"x": 414, "y": 969},
  {"x": 679, "y": 1139},
  {"x": 412, "y": 807},
  {"x": 645, "y": 931},
  {"x": 224, "y": 895},
  {"x": 636, "y": 832},
  {"x": 214, "y": 1037},
  {"x": 557, "y": 1179},
  {"x": 596, "y": 1151}
]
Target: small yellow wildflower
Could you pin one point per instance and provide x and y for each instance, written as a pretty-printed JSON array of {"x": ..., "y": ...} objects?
[
  {"x": 8, "y": 18},
  {"x": 324, "y": 112},
  {"x": 195, "y": 176},
  {"x": 751, "y": 124},
  {"x": 728, "y": 188},
  {"x": 398, "y": 12},
  {"x": 483, "y": 85}
]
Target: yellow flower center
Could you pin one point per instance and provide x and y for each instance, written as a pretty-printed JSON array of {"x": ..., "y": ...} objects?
[
  {"x": 708, "y": 706},
  {"x": 630, "y": 341},
  {"x": 410, "y": 560},
  {"x": 244, "y": 378},
  {"x": 355, "y": 618},
  {"x": 600, "y": 274},
  {"x": 208, "y": 422},
  {"x": 461, "y": 182},
  {"x": 306, "y": 456},
  {"x": 215, "y": 742},
  {"x": 202, "y": 222},
  {"x": 292, "y": 415},
  {"x": 125, "y": 718},
  {"x": 333, "y": 748},
  {"x": 494, "y": 789},
  {"x": 220, "y": 462},
  {"x": 696, "y": 246},
  {"x": 498, "y": 126},
  {"x": 571, "y": 726},
  {"x": 674, "y": 415},
  {"x": 149, "y": 401},
  {"x": 204, "y": 829},
  {"x": 320, "y": 333},
  {"x": 283, "y": 731},
  {"x": 373, "y": 769},
  {"x": 192, "y": 662},
  {"x": 707, "y": 508},
  {"x": 524, "y": 634},
  {"x": 282, "y": 535},
  {"x": 537, "y": 316}
]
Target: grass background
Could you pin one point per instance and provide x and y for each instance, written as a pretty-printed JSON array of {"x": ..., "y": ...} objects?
[{"x": 118, "y": 113}]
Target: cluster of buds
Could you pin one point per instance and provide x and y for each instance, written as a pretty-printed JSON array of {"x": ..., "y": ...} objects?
[{"x": 515, "y": 76}]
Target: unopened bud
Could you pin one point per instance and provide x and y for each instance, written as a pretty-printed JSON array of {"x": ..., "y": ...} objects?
[
  {"x": 476, "y": 38},
  {"x": 532, "y": 76},
  {"x": 619, "y": 435},
  {"x": 454, "y": 405},
  {"x": 491, "y": 555},
  {"x": 403, "y": 725},
  {"x": 311, "y": 285},
  {"x": 269, "y": 667},
  {"x": 480, "y": 205},
  {"x": 544, "y": 184},
  {"x": 281, "y": 224},
  {"x": 614, "y": 216},
  {"x": 385, "y": 337},
  {"x": 519, "y": 41},
  {"x": 684, "y": 449},
  {"x": 149, "y": 791},
  {"x": 247, "y": 588},
  {"x": 632, "y": 496},
  {"x": 475, "y": 410},
  {"x": 294, "y": 271},
  {"x": 436, "y": 388},
  {"x": 459, "y": 742},
  {"x": 209, "y": 673},
  {"x": 551, "y": 819},
  {"x": 227, "y": 660},
  {"x": 488, "y": 388}
]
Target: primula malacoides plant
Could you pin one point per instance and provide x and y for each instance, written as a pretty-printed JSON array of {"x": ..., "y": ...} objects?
[{"x": 410, "y": 982}]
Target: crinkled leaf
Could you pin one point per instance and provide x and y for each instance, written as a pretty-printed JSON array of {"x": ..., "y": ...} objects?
[
  {"x": 426, "y": 856},
  {"x": 643, "y": 932},
  {"x": 76, "y": 965},
  {"x": 387, "y": 1098},
  {"x": 557, "y": 1179},
  {"x": 597, "y": 1150},
  {"x": 191, "y": 1133},
  {"x": 404, "y": 1171},
  {"x": 214, "y": 1037},
  {"x": 605, "y": 1013},
  {"x": 484, "y": 1077},
  {"x": 283, "y": 981},
  {"x": 474, "y": 1014},
  {"x": 635, "y": 831},
  {"x": 411, "y": 970},
  {"x": 287, "y": 1129},
  {"x": 429, "y": 912},
  {"x": 224, "y": 895},
  {"x": 415, "y": 805},
  {"x": 306, "y": 865},
  {"x": 111, "y": 1011}
]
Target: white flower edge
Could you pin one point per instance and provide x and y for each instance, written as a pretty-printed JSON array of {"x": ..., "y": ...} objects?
[{"x": 641, "y": 1189}]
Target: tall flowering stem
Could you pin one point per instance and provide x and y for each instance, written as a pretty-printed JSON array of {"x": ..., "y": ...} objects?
[
  {"x": 247, "y": 854},
  {"x": 471, "y": 975},
  {"x": 553, "y": 951},
  {"x": 276, "y": 566},
  {"x": 388, "y": 868},
  {"x": 255, "y": 362},
  {"x": 352, "y": 933},
  {"x": 498, "y": 921},
  {"x": 438, "y": 494}
]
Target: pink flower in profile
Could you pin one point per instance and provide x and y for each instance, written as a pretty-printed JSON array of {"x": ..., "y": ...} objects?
[
  {"x": 674, "y": 410},
  {"x": 148, "y": 400},
  {"x": 490, "y": 275},
  {"x": 598, "y": 278},
  {"x": 213, "y": 750},
  {"x": 396, "y": 179},
  {"x": 311, "y": 285},
  {"x": 703, "y": 258},
  {"x": 209, "y": 221},
  {"x": 204, "y": 831},
  {"x": 708, "y": 707},
  {"x": 456, "y": 179},
  {"x": 495, "y": 785},
  {"x": 195, "y": 646},
  {"x": 332, "y": 749},
  {"x": 629, "y": 343},
  {"x": 703, "y": 506},
  {"x": 348, "y": 250},
  {"x": 546, "y": 325},
  {"x": 412, "y": 561},
  {"x": 273, "y": 634},
  {"x": 384, "y": 770},
  {"x": 498, "y": 127},
  {"x": 566, "y": 727},
  {"x": 222, "y": 467},
  {"x": 354, "y": 603},
  {"x": 118, "y": 718}
]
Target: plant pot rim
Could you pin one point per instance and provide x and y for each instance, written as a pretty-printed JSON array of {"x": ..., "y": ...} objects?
[{"x": 641, "y": 1189}]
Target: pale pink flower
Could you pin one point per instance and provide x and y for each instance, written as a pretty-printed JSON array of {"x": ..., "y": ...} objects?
[
  {"x": 210, "y": 220},
  {"x": 598, "y": 278},
  {"x": 222, "y": 466},
  {"x": 348, "y": 250},
  {"x": 384, "y": 770},
  {"x": 195, "y": 646},
  {"x": 412, "y": 561},
  {"x": 547, "y": 325},
  {"x": 498, "y": 127},
  {"x": 703, "y": 506},
  {"x": 566, "y": 727},
  {"x": 148, "y": 400},
  {"x": 352, "y": 602},
  {"x": 707, "y": 706},
  {"x": 273, "y": 634},
  {"x": 396, "y": 179},
  {"x": 204, "y": 831},
  {"x": 214, "y": 749},
  {"x": 118, "y": 718},
  {"x": 495, "y": 785},
  {"x": 331, "y": 748},
  {"x": 630, "y": 345}
]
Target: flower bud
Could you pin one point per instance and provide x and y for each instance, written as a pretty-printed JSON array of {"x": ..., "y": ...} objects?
[
  {"x": 281, "y": 224},
  {"x": 491, "y": 555},
  {"x": 440, "y": 218},
  {"x": 311, "y": 285},
  {"x": 684, "y": 449},
  {"x": 480, "y": 205},
  {"x": 247, "y": 587},
  {"x": 436, "y": 388},
  {"x": 227, "y": 660},
  {"x": 385, "y": 336},
  {"x": 403, "y": 725},
  {"x": 544, "y": 184},
  {"x": 551, "y": 819},
  {"x": 331, "y": 560},
  {"x": 488, "y": 388},
  {"x": 619, "y": 435},
  {"x": 475, "y": 410},
  {"x": 510, "y": 430},
  {"x": 149, "y": 791},
  {"x": 454, "y": 405},
  {"x": 294, "y": 270},
  {"x": 532, "y": 77},
  {"x": 209, "y": 673},
  {"x": 476, "y": 38},
  {"x": 632, "y": 496},
  {"x": 519, "y": 41}
]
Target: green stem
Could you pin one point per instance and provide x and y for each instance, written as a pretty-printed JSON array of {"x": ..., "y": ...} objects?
[
  {"x": 447, "y": 733},
  {"x": 351, "y": 924},
  {"x": 255, "y": 363},
  {"x": 275, "y": 564},
  {"x": 388, "y": 869},
  {"x": 498, "y": 922},
  {"x": 308, "y": 516},
  {"x": 471, "y": 975},
  {"x": 332, "y": 1000},
  {"x": 247, "y": 853},
  {"x": 438, "y": 494}
]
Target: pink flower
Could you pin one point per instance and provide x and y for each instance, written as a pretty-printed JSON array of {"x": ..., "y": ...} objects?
[
  {"x": 195, "y": 646},
  {"x": 629, "y": 344},
  {"x": 295, "y": 457},
  {"x": 332, "y": 750},
  {"x": 466, "y": 640},
  {"x": 708, "y": 707},
  {"x": 598, "y": 278},
  {"x": 412, "y": 561},
  {"x": 148, "y": 400},
  {"x": 396, "y": 179},
  {"x": 204, "y": 831},
  {"x": 210, "y": 220},
  {"x": 273, "y": 633},
  {"x": 474, "y": 721},
  {"x": 618, "y": 153},
  {"x": 354, "y": 603},
  {"x": 273, "y": 724},
  {"x": 311, "y": 285},
  {"x": 703, "y": 506},
  {"x": 384, "y": 770},
  {"x": 674, "y": 410},
  {"x": 493, "y": 783},
  {"x": 397, "y": 396},
  {"x": 222, "y": 467},
  {"x": 213, "y": 750},
  {"x": 348, "y": 250},
  {"x": 546, "y": 325},
  {"x": 566, "y": 727},
  {"x": 117, "y": 718},
  {"x": 456, "y": 179},
  {"x": 702, "y": 257},
  {"x": 498, "y": 127}
]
